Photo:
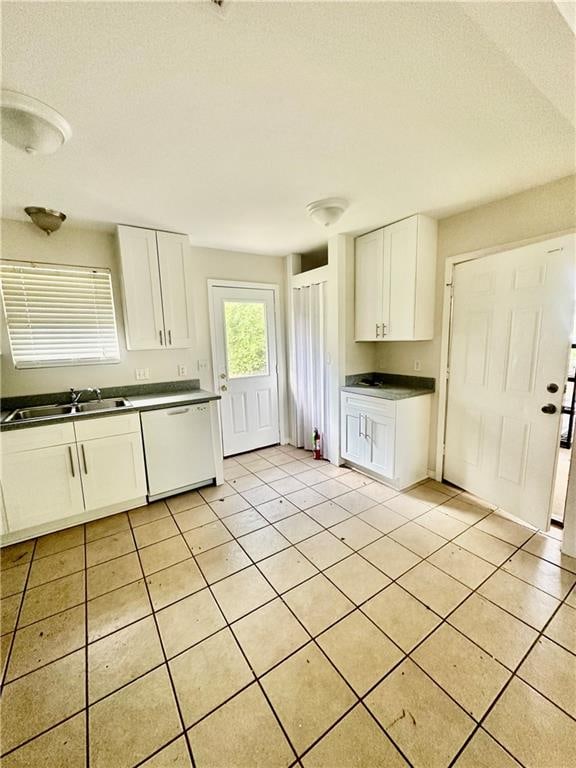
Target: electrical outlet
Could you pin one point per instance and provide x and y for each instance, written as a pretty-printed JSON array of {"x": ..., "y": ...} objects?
[
  {"x": 182, "y": 370},
  {"x": 417, "y": 365},
  {"x": 142, "y": 374}
]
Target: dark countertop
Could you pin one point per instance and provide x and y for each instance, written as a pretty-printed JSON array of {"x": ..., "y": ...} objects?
[
  {"x": 389, "y": 386},
  {"x": 145, "y": 397}
]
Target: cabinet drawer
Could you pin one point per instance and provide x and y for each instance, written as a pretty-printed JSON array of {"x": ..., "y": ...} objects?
[
  {"x": 383, "y": 406},
  {"x": 122, "y": 424},
  {"x": 31, "y": 438}
]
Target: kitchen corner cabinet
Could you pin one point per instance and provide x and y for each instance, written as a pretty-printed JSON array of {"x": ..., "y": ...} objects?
[
  {"x": 395, "y": 269},
  {"x": 386, "y": 438},
  {"x": 58, "y": 475},
  {"x": 156, "y": 273}
]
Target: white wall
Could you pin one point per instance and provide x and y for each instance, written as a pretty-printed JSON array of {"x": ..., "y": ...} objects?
[
  {"x": 86, "y": 247},
  {"x": 540, "y": 211}
]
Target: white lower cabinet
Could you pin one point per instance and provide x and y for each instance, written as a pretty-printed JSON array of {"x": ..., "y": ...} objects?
[
  {"x": 112, "y": 470},
  {"x": 41, "y": 485},
  {"x": 58, "y": 475},
  {"x": 387, "y": 438}
]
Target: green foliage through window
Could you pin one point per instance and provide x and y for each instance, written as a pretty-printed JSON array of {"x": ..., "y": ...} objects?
[{"x": 246, "y": 340}]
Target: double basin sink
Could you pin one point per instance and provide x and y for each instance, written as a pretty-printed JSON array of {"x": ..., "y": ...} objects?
[{"x": 57, "y": 411}]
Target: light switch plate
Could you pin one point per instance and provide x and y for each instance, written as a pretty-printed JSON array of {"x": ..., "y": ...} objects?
[{"x": 142, "y": 374}]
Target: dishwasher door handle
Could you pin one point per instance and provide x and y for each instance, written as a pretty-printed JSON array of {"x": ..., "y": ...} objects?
[{"x": 176, "y": 413}]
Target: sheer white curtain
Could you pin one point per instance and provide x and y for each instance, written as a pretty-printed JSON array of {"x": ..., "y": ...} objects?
[{"x": 310, "y": 385}]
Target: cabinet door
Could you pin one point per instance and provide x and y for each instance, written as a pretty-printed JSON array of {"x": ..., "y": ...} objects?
[
  {"x": 112, "y": 470},
  {"x": 399, "y": 265},
  {"x": 369, "y": 297},
  {"x": 176, "y": 279},
  {"x": 353, "y": 440},
  {"x": 143, "y": 319},
  {"x": 380, "y": 442},
  {"x": 41, "y": 486}
]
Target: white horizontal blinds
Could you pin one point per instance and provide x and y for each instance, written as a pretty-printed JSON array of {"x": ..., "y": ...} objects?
[{"x": 58, "y": 315}]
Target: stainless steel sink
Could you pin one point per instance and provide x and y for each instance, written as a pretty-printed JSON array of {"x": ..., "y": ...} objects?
[
  {"x": 40, "y": 412},
  {"x": 101, "y": 405},
  {"x": 57, "y": 411}
]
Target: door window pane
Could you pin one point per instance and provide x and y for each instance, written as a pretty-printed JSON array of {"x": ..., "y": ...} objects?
[{"x": 246, "y": 338}]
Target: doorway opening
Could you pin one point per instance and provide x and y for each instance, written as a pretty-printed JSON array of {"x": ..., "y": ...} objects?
[{"x": 566, "y": 439}]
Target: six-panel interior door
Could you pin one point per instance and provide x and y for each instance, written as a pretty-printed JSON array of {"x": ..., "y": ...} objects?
[
  {"x": 510, "y": 339},
  {"x": 245, "y": 365}
]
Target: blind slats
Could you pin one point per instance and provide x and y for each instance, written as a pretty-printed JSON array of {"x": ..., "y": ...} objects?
[{"x": 58, "y": 315}]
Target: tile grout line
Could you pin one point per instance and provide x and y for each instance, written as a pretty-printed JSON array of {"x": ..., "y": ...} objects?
[
  {"x": 513, "y": 676},
  {"x": 13, "y": 639},
  {"x": 359, "y": 605},
  {"x": 166, "y": 665},
  {"x": 256, "y": 679},
  {"x": 421, "y": 559}
]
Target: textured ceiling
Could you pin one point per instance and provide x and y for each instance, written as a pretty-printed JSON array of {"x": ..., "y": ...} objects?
[{"x": 226, "y": 128}]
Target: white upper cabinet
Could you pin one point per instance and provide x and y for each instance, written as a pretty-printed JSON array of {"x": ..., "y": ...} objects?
[
  {"x": 143, "y": 317},
  {"x": 176, "y": 280},
  {"x": 157, "y": 289},
  {"x": 395, "y": 281}
]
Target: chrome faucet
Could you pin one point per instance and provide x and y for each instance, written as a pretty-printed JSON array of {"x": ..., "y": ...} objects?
[{"x": 75, "y": 395}]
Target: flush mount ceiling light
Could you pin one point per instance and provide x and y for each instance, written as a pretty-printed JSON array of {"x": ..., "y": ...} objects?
[
  {"x": 46, "y": 219},
  {"x": 31, "y": 125},
  {"x": 327, "y": 212}
]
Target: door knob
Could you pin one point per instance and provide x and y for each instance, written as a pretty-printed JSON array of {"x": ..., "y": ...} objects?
[
  {"x": 222, "y": 375},
  {"x": 549, "y": 408},
  {"x": 223, "y": 388},
  {"x": 552, "y": 387}
]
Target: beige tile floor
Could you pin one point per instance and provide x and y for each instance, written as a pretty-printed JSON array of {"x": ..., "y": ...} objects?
[{"x": 299, "y": 615}]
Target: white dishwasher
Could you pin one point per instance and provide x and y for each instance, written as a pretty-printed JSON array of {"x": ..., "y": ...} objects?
[{"x": 178, "y": 449}]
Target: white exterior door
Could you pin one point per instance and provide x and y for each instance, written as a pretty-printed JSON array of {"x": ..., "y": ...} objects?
[
  {"x": 41, "y": 486},
  {"x": 112, "y": 470},
  {"x": 245, "y": 365},
  {"x": 510, "y": 339},
  {"x": 176, "y": 277},
  {"x": 143, "y": 317}
]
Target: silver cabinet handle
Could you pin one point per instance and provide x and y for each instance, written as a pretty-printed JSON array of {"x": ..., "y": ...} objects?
[
  {"x": 84, "y": 460},
  {"x": 170, "y": 337},
  {"x": 176, "y": 413},
  {"x": 360, "y": 425},
  {"x": 377, "y": 333},
  {"x": 161, "y": 339},
  {"x": 71, "y": 461},
  {"x": 366, "y": 435}
]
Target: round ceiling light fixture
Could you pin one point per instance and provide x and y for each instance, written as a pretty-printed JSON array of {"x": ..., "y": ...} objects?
[
  {"x": 45, "y": 218},
  {"x": 31, "y": 125},
  {"x": 328, "y": 211}
]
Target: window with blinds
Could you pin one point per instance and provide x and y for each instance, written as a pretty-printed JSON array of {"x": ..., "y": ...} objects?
[{"x": 58, "y": 315}]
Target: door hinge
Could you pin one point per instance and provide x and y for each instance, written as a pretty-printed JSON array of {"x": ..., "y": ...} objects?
[
  {"x": 447, "y": 373},
  {"x": 444, "y": 450}
]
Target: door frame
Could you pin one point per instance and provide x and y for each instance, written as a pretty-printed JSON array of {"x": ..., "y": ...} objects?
[
  {"x": 280, "y": 345},
  {"x": 450, "y": 264}
]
